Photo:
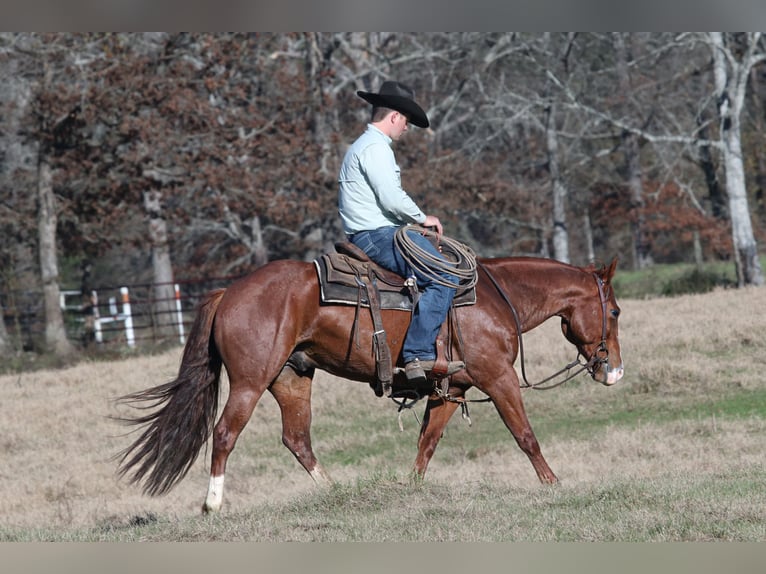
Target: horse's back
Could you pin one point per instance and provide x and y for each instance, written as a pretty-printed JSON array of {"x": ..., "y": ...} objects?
[
  {"x": 277, "y": 296},
  {"x": 273, "y": 280}
]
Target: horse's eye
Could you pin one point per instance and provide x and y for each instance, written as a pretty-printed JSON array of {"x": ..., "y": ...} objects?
[{"x": 615, "y": 313}]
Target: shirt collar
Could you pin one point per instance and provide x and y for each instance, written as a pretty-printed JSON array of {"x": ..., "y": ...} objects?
[{"x": 374, "y": 129}]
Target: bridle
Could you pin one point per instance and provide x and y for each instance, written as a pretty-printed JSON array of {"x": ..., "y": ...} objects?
[{"x": 599, "y": 356}]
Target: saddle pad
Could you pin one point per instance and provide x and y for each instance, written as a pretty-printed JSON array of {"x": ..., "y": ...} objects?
[{"x": 339, "y": 284}]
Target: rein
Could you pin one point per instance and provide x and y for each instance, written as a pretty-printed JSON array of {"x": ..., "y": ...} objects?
[{"x": 600, "y": 356}]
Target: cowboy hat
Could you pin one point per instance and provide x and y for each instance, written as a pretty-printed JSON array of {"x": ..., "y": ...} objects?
[{"x": 397, "y": 97}]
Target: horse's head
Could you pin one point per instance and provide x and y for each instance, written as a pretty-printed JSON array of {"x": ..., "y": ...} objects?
[{"x": 592, "y": 327}]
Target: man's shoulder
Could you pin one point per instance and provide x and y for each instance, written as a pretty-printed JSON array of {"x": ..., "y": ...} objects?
[
  {"x": 369, "y": 146},
  {"x": 374, "y": 137}
]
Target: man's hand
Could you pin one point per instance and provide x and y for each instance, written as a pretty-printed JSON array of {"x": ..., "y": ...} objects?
[{"x": 433, "y": 221}]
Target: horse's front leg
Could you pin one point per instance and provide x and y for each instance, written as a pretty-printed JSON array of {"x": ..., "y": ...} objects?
[
  {"x": 506, "y": 396},
  {"x": 437, "y": 414}
]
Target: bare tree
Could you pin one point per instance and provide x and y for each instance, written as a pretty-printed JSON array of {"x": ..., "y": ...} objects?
[
  {"x": 162, "y": 266},
  {"x": 559, "y": 190},
  {"x": 733, "y": 62},
  {"x": 642, "y": 256},
  {"x": 54, "y": 135},
  {"x": 17, "y": 169},
  {"x": 55, "y": 332}
]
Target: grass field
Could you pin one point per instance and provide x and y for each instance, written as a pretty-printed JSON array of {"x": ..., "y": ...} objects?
[{"x": 674, "y": 452}]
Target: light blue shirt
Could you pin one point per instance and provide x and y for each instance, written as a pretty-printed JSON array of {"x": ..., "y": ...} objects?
[{"x": 371, "y": 194}]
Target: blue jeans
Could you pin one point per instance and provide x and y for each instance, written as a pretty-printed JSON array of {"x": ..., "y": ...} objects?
[{"x": 435, "y": 299}]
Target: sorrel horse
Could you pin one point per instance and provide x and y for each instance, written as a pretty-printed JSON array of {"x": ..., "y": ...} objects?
[{"x": 271, "y": 332}]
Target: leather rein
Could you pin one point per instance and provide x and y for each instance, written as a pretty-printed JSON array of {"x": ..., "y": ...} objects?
[{"x": 600, "y": 356}]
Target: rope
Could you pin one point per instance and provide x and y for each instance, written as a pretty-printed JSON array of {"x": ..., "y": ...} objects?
[{"x": 420, "y": 260}]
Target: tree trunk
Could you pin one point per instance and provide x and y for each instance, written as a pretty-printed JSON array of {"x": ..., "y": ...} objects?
[
  {"x": 642, "y": 254},
  {"x": 698, "y": 258},
  {"x": 642, "y": 250},
  {"x": 55, "y": 333},
  {"x": 749, "y": 266},
  {"x": 560, "y": 192},
  {"x": 715, "y": 193},
  {"x": 588, "y": 232},
  {"x": 730, "y": 83},
  {"x": 759, "y": 118},
  {"x": 164, "y": 292},
  {"x": 260, "y": 251},
  {"x": 5, "y": 343}
]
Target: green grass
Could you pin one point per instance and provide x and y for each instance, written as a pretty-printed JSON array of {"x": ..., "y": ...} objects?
[
  {"x": 738, "y": 404},
  {"x": 673, "y": 279},
  {"x": 676, "y": 279}
]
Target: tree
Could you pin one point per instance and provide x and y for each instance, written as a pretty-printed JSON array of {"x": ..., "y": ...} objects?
[
  {"x": 732, "y": 62},
  {"x": 55, "y": 333},
  {"x": 642, "y": 256},
  {"x": 52, "y": 134},
  {"x": 17, "y": 166}
]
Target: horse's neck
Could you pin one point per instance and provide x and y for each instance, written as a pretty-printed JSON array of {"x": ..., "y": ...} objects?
[{"x": 538, "y": 289}]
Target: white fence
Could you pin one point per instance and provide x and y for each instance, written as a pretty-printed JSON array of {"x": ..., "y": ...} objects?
[
  {"x": 110, "y": 317},
  {"x": 131, "y": 315}
]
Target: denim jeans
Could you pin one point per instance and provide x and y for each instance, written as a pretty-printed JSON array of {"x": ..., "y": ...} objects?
[{"x": 435, "y": 299}]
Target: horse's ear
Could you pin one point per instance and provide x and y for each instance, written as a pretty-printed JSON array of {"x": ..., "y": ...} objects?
[{"x": 608, "y": 273}]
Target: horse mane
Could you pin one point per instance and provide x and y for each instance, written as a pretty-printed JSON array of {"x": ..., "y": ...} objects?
[{"x": 599, "y": 268}]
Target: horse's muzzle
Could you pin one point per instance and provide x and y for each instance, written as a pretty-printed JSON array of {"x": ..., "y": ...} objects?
[{"x": 609, "y": 376}]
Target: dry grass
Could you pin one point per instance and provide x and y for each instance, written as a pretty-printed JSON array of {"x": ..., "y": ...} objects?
[{"x": 57, "y": 441}]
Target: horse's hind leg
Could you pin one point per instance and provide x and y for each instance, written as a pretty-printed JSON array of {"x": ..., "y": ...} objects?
[
  {"x": 292, "y": 392},
  {"x": 239, "y": 407}
]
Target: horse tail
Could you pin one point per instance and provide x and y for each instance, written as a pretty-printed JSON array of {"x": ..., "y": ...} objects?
[{"x": 185, "y": 412}]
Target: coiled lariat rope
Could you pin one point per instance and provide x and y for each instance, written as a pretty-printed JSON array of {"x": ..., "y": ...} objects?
[{"x": 420, "y": 260}]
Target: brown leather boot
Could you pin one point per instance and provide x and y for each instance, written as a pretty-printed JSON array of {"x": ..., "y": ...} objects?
[
  {"x": 452, "y": 367},
  {"x": 415, "y": 370}
]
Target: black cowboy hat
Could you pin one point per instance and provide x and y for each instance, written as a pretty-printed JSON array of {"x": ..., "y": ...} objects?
[{"x": 397, "y": 97}]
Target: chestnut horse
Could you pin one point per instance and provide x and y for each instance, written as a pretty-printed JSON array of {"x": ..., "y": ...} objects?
[{"x": 271, "y": 332}]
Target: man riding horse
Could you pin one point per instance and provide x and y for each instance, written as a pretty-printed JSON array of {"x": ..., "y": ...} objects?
[{"x": 372, "y": 207}]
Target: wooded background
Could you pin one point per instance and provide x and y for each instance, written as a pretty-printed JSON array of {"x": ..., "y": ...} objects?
[{"x": 158, "y": 156}]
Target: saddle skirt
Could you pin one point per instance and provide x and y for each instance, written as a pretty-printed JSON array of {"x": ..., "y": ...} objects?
[{"x": 342, "y": 276}]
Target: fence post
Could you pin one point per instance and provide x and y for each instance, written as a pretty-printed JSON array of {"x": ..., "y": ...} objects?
[
  {"x": 99, "y": 336},
  {"x": 128, "y": 317},
  {"x": 179, "y": 314}
]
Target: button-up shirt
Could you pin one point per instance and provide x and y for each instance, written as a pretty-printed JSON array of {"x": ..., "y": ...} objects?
[{"x": 371, "y": 194}]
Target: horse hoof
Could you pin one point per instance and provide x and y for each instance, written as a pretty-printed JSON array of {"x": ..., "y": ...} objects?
[{"x": 209, "y": 509}]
